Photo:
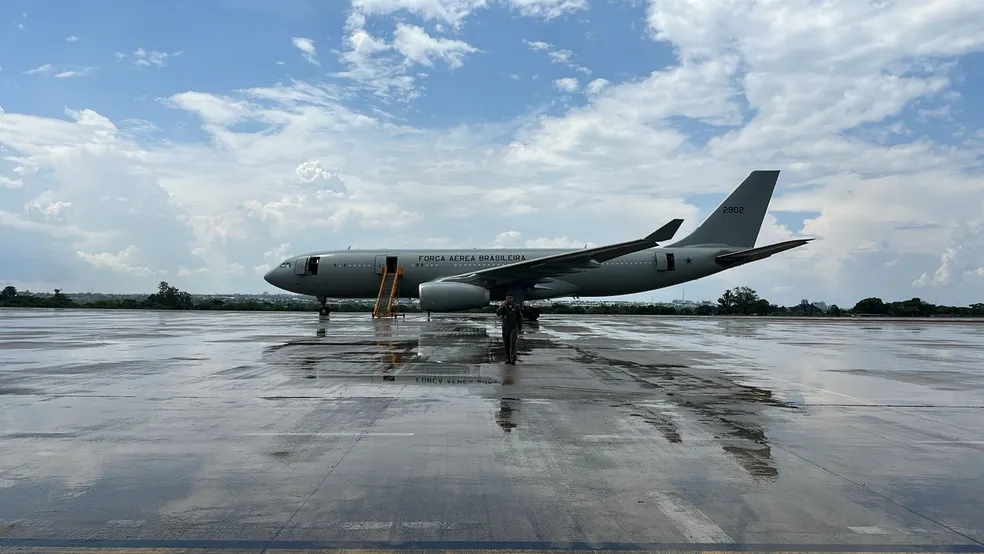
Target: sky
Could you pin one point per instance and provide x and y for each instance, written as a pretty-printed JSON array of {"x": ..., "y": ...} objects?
[{"x": 201, "y": 143}]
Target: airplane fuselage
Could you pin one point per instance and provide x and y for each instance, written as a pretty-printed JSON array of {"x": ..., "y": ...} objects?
[
  {"x": 451, "y": 280},
  {"x": 356, "y": 274}
]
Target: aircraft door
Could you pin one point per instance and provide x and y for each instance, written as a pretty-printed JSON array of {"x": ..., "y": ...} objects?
[
  {"x": 300, "y": 265},
  {"x": 661, "y": 262},
  {"x": 380, "y": 264}
]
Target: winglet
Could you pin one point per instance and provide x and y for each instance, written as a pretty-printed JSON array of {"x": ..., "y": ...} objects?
[{"x": 665, "y": 232}]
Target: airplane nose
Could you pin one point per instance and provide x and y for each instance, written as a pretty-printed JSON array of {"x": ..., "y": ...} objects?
[{"x": 269, "y": 277}]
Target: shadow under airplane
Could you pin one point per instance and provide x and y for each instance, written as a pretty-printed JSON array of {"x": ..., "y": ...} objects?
[
  {"x": 734, "y": 411},
  {"x": 326, "y": 356},
  {"x": 453, "y": 346}
]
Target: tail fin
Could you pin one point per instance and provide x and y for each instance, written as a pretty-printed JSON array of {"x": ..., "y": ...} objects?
[{"x": 738, "y": 220}]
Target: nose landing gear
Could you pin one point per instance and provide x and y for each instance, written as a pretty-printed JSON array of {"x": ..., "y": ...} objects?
[{"x": 324, "y": 310}]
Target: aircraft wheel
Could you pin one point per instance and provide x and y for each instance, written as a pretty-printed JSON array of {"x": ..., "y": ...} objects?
[
  {"x": 532, "y": 314},
  {"x": 324, "y": 311}
]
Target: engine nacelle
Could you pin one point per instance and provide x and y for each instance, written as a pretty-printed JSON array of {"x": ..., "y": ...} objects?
[{"x": 451, "y": 297}]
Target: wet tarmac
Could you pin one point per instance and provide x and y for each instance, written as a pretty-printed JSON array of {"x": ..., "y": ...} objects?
[{"x": 249, "y": 431}]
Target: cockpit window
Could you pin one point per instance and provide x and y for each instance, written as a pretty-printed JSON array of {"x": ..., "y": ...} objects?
[{"x": 285, "y": 264}]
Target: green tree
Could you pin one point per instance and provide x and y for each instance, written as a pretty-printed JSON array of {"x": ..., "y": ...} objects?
[
  {"x": 870, "y": 306},
  {"x": 762, "y": 307},
  {"x": 726, "y": 303},
  {"x": 170, "y": 297},
  {"x": 742, "y": 300},
  {"x": 746, "y": 299},
  {"x": 8, "y": 292},
  {"x": 914, "y": 307}
]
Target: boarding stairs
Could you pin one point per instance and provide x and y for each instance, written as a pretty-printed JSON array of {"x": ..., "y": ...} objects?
[{"x": 387, "y": 293}]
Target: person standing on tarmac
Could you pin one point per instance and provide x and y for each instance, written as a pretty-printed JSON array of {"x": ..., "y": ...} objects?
[{"x": 511, "y": 315}]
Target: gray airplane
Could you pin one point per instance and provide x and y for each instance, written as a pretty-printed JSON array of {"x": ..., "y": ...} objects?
[{"x": 454, "y": 280}]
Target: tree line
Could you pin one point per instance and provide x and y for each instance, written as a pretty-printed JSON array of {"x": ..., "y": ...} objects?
[{"x": 736, "y": 301}]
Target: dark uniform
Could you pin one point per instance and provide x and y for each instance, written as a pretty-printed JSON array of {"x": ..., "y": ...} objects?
[{"x": 512, "y": 323}]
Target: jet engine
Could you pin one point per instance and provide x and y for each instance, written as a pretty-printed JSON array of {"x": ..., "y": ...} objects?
[{"x": 451, "y": 297}]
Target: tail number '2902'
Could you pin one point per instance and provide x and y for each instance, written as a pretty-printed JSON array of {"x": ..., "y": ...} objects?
[{"x": 733, "y": 209}]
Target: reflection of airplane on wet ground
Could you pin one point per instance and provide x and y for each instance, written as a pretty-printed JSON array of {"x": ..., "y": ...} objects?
[
  {"x": 440, "y": 352},
  {"x": 457, "y": 356},
  {"x": 455, "y": 280}
]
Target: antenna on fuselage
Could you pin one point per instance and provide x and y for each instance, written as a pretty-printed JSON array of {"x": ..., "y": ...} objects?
[{"x": 349, "y": 248}]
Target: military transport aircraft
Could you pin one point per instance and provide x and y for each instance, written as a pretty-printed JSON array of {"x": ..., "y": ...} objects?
[{"x": 454, "y": 280}]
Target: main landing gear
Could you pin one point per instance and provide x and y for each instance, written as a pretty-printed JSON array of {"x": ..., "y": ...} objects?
[
  {"x": 531, "y": 314},
  {"x": 324, "y": 310}
]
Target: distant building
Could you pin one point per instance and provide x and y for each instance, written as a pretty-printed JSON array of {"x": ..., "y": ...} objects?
[{"x": 820, "y": 306}]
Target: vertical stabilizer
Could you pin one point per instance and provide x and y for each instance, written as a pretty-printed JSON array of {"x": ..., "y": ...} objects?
[{"x": 737, "y": 221}]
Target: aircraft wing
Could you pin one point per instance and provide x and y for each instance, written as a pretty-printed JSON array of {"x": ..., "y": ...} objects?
[
  {"x": 744, "y": 256},
  {"x": 565, "y": 262}
]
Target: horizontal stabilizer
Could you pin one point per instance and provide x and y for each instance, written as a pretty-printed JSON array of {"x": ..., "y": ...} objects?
[{"x": 760, "y": 253}]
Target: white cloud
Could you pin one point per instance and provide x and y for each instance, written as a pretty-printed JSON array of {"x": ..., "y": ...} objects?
[
  {"x": 42, "y": 69},
  {"x": 830, "y": 97},
  {"x": 514, "y": 239},
  {"x": 313, "y": 171},
  {"x": 74, "y": 73},
  {"x": 567, "y": 84},
  {"x": 48, "y": 206},
  {"x": 452, "y": 12},
  {"x": 506, "y": 239},
  {"x": 186, "y": 272},
  {"x": 147, "y": 58},
  {"x": 306, "y": 46},
  {"x": 964, "y": 256},
  {"x": 7, "y": 182},
  {"x": 548, "y": 9},
  {"x": 71, "y": 38},
  {"x": 561, "y": 56},
  {"x": 123, "y": 261},
  {"x": 272, "y": 258},
  {"x": 419, "y": 47},
  {"x": 557, "y": 242},
  {"x": 596, "y": 85},
  {"x": 388, "y": 69},
  {"x": 59, "y": 72}
]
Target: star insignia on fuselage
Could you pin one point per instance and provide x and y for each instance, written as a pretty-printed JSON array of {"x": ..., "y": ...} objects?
[{"x": 687, "y": 259}]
